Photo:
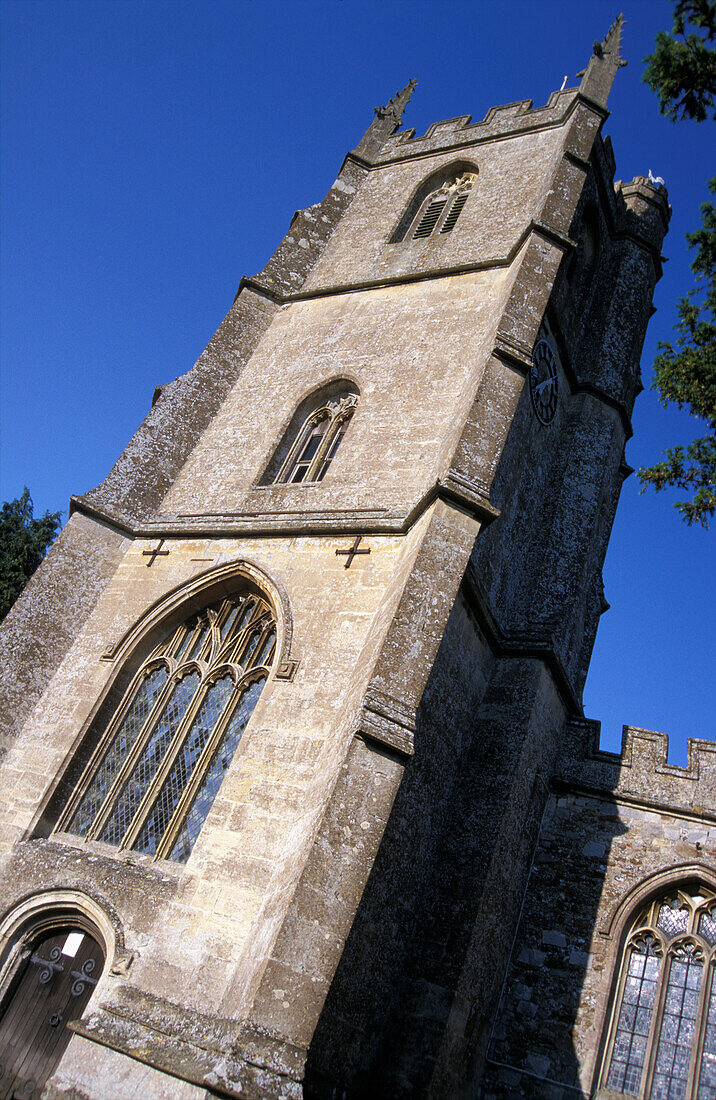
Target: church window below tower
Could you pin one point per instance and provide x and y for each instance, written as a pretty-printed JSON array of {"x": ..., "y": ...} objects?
[
  {"x": 311, "y": 443},
  {"x": 172, "y": 738},
  {"x": 662, "y": 1040}
]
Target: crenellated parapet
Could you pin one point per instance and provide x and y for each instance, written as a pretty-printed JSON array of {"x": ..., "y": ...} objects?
[
  {"x": 509, "y": 119},
  {"x": 641, "y": 772},
  {"x": 644, "y": 210}
]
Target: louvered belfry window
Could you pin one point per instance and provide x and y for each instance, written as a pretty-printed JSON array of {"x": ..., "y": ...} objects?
[
  {"x": 440, "y": 211},
  {"x": 160, "y": 762},
  {"x": 662, "y": 1034}
]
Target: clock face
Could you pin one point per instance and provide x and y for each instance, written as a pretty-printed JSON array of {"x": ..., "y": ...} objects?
[{"x": 544, "y": 382}]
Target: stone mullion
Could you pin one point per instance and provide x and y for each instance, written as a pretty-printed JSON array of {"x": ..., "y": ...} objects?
[
  {"x": 700, "y": 1030},
  {"x": 268, "y": 624},
  {"x": 616, "y": 1012},
  {"x": 652, "y": 1044},
  {"x": 450, "y": 202},
  {"x": 155, "y": 784},
  {"x": 338, "y": 420},
  {"x": 247, "y": 633},
  {"x": 202, "y": 765},
  {"x": 322, "y": 451},
  {"x": 295, "y": 450},
  {"x": 231, "y": 642},
  {"x": 128, "y": 763},
  {"x": 172, "y": 831},
  {"x": 703, "y": 1016}
]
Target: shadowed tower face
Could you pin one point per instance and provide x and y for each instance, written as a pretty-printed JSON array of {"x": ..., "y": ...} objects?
[{"x": 291, "y": 700}]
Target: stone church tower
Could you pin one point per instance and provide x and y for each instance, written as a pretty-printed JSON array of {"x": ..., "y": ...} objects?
[{"x": 298, "y": 796}]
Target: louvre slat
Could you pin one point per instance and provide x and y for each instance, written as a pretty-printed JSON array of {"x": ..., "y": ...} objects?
[
  {"x": 429, "y": 219},
  {"x": 453, "y": 213}
]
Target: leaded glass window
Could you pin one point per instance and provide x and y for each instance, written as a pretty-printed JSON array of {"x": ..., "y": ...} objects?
[
  {"x": 317, "y": 441},
  {"x": 662, "y": 1042},
  {"x": 160, "y": 762}
]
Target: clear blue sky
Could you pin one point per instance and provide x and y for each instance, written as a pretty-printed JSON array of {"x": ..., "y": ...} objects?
[{"x": 155, "y": 151}]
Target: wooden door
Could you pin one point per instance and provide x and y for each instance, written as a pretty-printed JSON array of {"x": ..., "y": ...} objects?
[{"x": 52, "y": 988}]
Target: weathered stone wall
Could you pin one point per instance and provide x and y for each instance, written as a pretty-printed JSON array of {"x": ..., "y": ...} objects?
[
  {"x": 614, "y": 824},
  {"x": 512, "y": 181},
  {"x": 85, "y": 1064},
  {"x": 255, "y": 840},
  {"x": 360, "y": 1030},
  {"x": 42, "y": 624},
  {"x": 416, "y": 355}
]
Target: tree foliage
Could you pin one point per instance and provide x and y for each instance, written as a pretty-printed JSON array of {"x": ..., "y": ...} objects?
[
  {"x": 23, "y": 543},
  {"x": 683, "y": 74},
  {"x": 682, "y": 68}
]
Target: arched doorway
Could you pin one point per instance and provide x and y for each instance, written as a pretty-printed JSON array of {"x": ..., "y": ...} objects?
[{"x": 56, "y": 974}]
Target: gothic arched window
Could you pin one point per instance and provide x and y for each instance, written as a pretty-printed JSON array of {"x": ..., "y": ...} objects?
[
  {"x": 662, "y": 1037},
  {"x": 312, "y": 445},
  {"x": 161, "y": 760},
  {"x": 437, "y": 204}
]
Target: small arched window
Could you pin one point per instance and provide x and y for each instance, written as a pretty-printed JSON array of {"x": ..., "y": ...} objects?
[
  {"x": 312, "y": 445},
  {"x": 438, "y": 211},
  {"x": 662, "y": 1035},
  {"x": 163, "y": 756}
]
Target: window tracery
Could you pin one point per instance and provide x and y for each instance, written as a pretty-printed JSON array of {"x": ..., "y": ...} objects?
[
  {"x": 662, "y": 1041},
  {"x": 317, "y": 441},
  {"x": 163, "y": 756},
  {"x": 441, "y": 209}
]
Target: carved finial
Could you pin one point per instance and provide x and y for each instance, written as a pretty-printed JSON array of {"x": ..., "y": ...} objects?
[
  {"x": 394, "y": 109},
  {"x": 386, "y": 122},
  {"x": 606, "y": 58},
  {"x": 612, "y": 43}
]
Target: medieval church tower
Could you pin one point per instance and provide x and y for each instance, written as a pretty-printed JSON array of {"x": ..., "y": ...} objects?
[{"x": 298, "y": 796}]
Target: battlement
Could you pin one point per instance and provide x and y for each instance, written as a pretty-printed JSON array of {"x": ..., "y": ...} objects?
[
  {"x": 641, "y": 771},
  {"x": 511, "y": 118}
]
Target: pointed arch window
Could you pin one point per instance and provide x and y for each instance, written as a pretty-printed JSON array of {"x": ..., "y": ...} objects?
[
  {"x": 439, "y": 212},
  {"x": 662, "y": 1035},
  {"x": 316, "y": 441},
  {"x": 161, "y": 760}
]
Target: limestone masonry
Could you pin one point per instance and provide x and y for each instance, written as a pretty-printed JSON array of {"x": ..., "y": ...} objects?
[{"x": 293, "y": 726}]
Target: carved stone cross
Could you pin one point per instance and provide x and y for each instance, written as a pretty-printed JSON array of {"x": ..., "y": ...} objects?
[{"x": 353, "y": 550}]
